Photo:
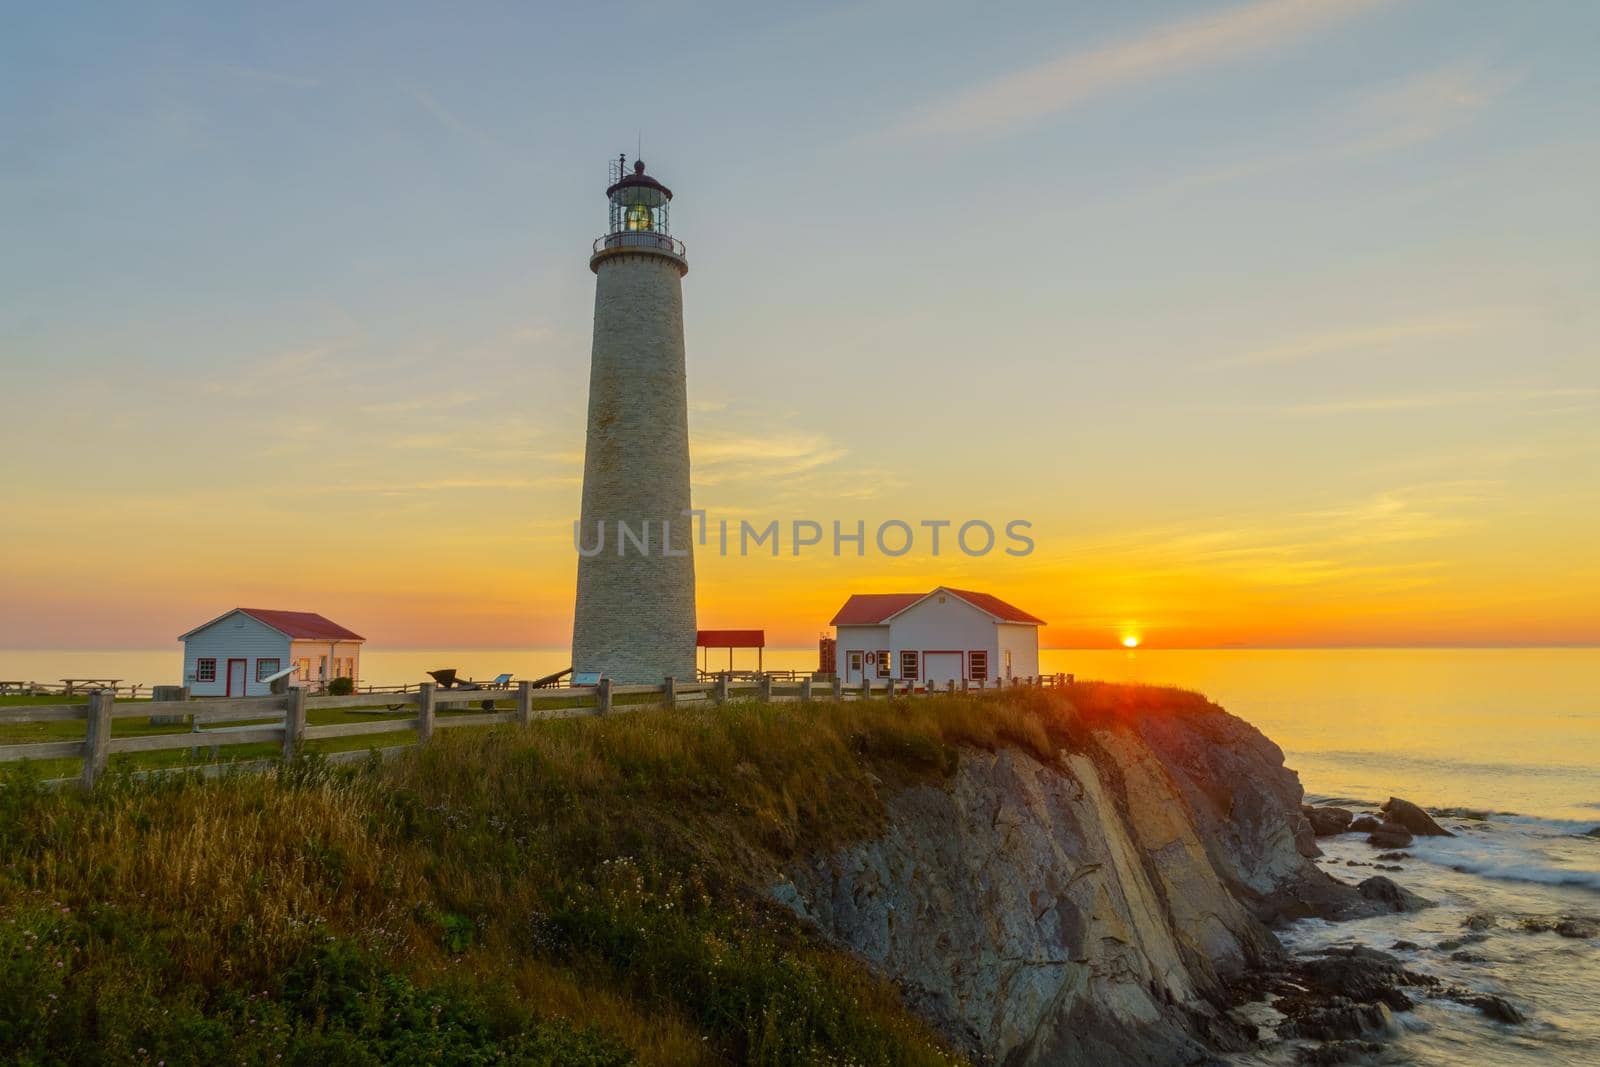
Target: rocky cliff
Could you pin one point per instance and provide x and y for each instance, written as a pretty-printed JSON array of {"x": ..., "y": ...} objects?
[{"x": 1092, "y": 909}]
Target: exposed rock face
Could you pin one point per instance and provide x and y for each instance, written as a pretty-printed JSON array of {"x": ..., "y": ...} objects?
[{"x": 1089, "y": 911}]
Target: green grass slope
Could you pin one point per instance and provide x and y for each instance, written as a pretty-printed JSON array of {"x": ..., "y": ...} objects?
[{"x": 580, "y": 892}]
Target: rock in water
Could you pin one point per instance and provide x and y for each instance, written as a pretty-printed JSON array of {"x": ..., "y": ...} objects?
[
  {"x": 1325, "y": 822},
  {"x": 1390, "y": 835},
  {"x": 1575, "y": 926},
  {"x": 1413, "y": 818},
  {"x": 1364, "y": 824},
  {"x": 1383, "y": 891},
  {"x": 1497, "y": 1008}
]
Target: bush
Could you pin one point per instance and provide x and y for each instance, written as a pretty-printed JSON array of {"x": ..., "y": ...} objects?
[{"x": 341, "y": 687}]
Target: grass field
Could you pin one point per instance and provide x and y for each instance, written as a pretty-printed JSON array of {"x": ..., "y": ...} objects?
[{"x": 585, "y": 891}]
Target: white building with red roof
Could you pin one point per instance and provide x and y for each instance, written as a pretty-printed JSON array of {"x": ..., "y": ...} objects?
[
  {"x": 934, "y": 638},
  {"x": 234, "y": 654}
]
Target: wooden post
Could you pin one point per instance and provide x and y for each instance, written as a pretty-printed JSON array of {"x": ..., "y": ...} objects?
[
  {"x": 669, "y": 692},
  {"x": 721, "y": 696},
  {"x": 99, "y": 736},
  {"x": 805, "y": 688},
  {"x": 838, "y": 689},
  {"x": 524, "y": 703},
  {"x": 866, "y": 686},
  {"x": 766, "y": 689},
  {"x": 425, "y": 712},
  {"x": 966, "y": 684},
  {"x": 168, "y": 694},
  {"x": 602, "y": 693},
  {"x": 294, "y": 721},
  {"x": 950, "y": 687},
  {"x": 888, "y": 688}
]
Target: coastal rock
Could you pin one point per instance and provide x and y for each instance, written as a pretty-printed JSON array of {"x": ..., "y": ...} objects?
[
  {"x": 1391, "y": 856},
  {"x": 1364, "y": 824},
  {"x": 1338, "y": 1019},
  {"x": 1453, "y": 943},
  {"x": 1246, "y": 807},
  {"x": 1106, "y": 906},
  {"x": 1382, "y": 891},
  {"x": 1333, "y": 1053},
  {"x": 1479, "y": 920},
  {"x": 1359, "y": 973},
  {"x": 1046, "y": 914},
  {"x": 1390, "y": 835},
  {"x": 1326, "y": 822},
  {"x": 1495, "y": 1007},
  {"x": 1574, "y": 926},
  {"x": 1413, "y": 818},
  {"x": 1592, "y": 833},
  {"x": 1405, "y": 946}
]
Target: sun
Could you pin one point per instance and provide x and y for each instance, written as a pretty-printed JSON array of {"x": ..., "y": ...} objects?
[{"x": 1130, "y": 641}]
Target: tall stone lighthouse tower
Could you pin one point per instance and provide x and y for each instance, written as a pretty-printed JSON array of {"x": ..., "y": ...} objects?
[{"x": 635, "y": 620}]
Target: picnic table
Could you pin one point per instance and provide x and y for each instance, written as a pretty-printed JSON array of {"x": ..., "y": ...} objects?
[
  {"x": 74, "y": 684},
  {"x": 7, "y": 687}
]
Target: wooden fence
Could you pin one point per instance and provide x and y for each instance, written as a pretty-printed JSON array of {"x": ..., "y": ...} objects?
[{"x": 292, "y": 729}]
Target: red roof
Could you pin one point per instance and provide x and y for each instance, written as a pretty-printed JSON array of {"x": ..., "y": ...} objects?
[
  {"x": 871, "y": 609},
  {"x": 300, "y": 625},
  {"x": 730, "y": 638},
  {"x": 996, "y": 607}
]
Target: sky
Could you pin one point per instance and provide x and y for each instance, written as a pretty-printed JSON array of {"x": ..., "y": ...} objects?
[{"x": 1275, "y": 319}]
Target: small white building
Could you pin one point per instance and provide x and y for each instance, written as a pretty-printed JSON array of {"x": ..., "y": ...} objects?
[
  {"x": 934, "y": 638},
  {"x": 233, "y": 653}
]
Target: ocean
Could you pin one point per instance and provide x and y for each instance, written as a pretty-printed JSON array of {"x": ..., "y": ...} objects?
[{"x": 1510, "y": 734}]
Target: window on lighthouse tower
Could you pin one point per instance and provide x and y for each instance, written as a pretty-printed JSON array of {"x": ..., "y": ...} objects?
[{"x": 639, "y": 218}]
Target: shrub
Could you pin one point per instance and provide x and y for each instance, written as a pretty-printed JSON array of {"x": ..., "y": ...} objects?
[{"x": 341, "y": 687}]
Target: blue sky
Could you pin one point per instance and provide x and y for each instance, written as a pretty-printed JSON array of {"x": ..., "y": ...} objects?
[{"x": 1239, "y": 302}]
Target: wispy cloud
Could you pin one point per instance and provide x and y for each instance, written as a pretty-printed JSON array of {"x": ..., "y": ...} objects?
[
  {"x": 1311, "y": 346},
  {"x": 281, "y": 373},
  {"x": 444, "y": 402},
  {"x": 1056, "y": 86},
  {"x": 1567, "y": 399},
  {"x": 268, "y": 77},
  {"x": 718, "y": 460},
  {"x": 447, "y": 118},
  {"x": 1426, "y": 105},
  {"x": 1311, "y": 547}
]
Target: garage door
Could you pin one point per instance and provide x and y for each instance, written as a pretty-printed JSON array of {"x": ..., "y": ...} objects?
[{"x": 941, "y": 667}]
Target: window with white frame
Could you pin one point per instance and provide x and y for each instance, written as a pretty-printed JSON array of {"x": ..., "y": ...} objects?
[
  {"x": 302, "y": 669},
  {"x": 908, "y": 664},
  {"x": 853, "y": 661},
  {"x": 266, "y": 668},
  {"x": 205, "y": 670},
  {"x": 885, "y": 667},
  {"x": 978, "y": 666}
]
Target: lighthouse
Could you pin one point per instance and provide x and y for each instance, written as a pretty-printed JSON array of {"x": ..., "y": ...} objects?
[{"x": 635, "y": 617}]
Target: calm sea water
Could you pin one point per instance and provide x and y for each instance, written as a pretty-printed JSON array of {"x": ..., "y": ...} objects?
[{"x": 1511, "y": 732}]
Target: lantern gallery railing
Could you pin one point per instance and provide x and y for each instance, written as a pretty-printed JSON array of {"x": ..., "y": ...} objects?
[{"x": 658, "y": 242}]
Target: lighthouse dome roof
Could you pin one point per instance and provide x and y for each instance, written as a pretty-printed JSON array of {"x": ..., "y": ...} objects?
[{"x": 639, "y": 187}]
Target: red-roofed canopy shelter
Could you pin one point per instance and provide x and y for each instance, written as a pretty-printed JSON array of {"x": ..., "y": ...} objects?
[{"x": 730, "y": 640}]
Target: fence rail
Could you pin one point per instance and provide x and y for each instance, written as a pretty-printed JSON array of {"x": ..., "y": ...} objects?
[{"x": 422, "y": 712}]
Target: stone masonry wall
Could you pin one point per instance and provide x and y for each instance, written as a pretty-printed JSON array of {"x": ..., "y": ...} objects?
[{"x": 635, "y": 617}]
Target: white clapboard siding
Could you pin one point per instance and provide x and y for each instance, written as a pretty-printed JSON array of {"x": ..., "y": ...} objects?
[{"x": 234, "y": 636}]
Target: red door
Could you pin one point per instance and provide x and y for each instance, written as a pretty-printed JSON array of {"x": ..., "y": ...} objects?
[{"x": 236, "y": 677}]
